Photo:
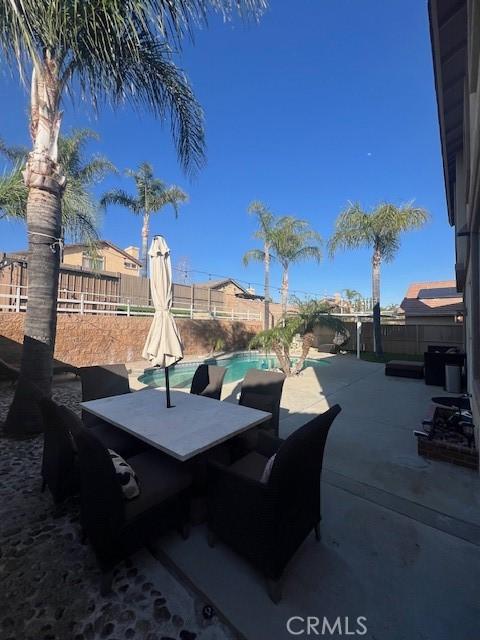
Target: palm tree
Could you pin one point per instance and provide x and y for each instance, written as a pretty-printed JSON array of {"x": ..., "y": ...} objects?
[
  {"x": 104, "y": 52},
  {"x": 265, "y": 221},
  {"x": 292, "y": 240},
  {"x": 380, "y": 230},
  {"x": 311, "y": 314},
  {"x": 79, "y": 209},
  {"x": 353, "y": 297},
  {"x": 152, "y": 195}
]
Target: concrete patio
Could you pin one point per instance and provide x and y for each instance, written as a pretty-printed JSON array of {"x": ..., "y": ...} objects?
[{"x": 400, "y": 534}]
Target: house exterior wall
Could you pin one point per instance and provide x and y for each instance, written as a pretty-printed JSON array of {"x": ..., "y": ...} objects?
[
  {"x": 113, "y": 260},
  {"x": 463, "y": 180},
  {"x": 229, "y": 289}
]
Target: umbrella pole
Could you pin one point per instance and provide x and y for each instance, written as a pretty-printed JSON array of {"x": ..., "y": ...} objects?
[{"x": 167, "y": 385}]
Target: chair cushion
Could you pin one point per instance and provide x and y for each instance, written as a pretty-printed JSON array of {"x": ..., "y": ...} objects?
[
  {"x": 160, "y": 478},
  {"x": 125, "y": 475},
  {"x": 252, "y": 465},
  {"x": 114, "y": 438}
]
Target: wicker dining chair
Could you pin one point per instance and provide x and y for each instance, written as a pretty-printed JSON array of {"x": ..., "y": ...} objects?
[
  {"x": 208, "y": 380},
  {"x": 266, "y": 521},
  {"x": 114, "y": 526},
  {"x": 103, "y": 382}
]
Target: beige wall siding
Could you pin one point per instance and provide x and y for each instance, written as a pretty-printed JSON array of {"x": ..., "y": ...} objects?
[{"x": 113, "y": 260}]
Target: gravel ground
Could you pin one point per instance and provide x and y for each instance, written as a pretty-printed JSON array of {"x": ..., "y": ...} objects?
[{"x": 49, "y": 588}]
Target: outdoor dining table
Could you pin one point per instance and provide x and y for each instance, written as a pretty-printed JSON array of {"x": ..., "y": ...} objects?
[{"x": 192, "y": 426}]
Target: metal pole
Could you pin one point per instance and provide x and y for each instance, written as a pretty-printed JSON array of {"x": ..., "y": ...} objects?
[
  {"x": 359, "y": 335},
  {"x": 167, "y": 386}
]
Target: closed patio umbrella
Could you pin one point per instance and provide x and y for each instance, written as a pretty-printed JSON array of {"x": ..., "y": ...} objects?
[{"x": 163, "y": 346}]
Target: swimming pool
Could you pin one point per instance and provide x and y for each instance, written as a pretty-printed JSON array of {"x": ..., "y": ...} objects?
[{"x": 237, "y": 366}]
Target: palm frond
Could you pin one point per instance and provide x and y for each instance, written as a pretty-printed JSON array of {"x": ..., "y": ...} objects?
[
  {"x": 293, "y": 240},
  {"x": 308, "y": 253},
  {"x": 379, "y": 228},
  {"x": 16, "y": 154},
  {"x": 141, "y": 72},
  {"x": 13, "y": 195},
  {"x": 162, "y": 197},
  {"x": 254, "y": 255},
  {"x": 121, "y": 198},
  {"x": 96, "y": 170},
  {"x": 352, "y": 230}
]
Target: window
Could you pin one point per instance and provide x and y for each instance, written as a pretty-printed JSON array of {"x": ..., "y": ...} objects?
[
  {"x": 130, "y": 265},
  {"x": 93, "y": 263}
]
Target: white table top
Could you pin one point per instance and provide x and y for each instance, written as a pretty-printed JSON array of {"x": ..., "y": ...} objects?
[{"x": 193, "y": 425}]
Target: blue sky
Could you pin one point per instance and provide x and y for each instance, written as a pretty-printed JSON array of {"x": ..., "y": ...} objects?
[{"x": 322, "y": 102}]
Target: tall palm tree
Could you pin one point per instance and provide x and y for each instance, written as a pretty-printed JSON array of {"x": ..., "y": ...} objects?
[
  {"x": 103, "y": 52},
  {"x": 380, "y": 230},
  {"x": 292, "y": 241},
  {"x": 152, "y": 195},
  {"x": 79, "y": 208},
  {"x": 265, "y": 221}
]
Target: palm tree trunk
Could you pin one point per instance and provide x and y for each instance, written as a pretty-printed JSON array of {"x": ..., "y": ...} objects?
[
  {"x": 45, "y": 187},
  {"x": 283, "y": 357},
  {"x": 377, "y": 329},
  {"x": 284, "y": 291},
  {"x": 145, "y": 234},
  {"x": 307, "y": 342},
  {"x": 266, "y": 287}
]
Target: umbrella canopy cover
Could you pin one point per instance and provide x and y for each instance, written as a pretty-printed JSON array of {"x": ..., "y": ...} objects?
[{"x": 163, "y": 346}]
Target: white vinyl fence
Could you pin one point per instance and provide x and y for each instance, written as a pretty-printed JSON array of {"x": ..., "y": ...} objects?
[{"x": 15, "y": 298}]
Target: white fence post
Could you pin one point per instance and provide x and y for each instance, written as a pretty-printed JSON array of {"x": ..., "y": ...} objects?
[
  {"x": 82, "y": 304},
  {"x": 17, "y": 299},
  {"x": 128, "y": 308}
]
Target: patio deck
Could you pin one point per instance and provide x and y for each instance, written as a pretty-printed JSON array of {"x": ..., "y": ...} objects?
[
  {"x": 400, "y": 537},
  {"x": 400, "y": 534}
]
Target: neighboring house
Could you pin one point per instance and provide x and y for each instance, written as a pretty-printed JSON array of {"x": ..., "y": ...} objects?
[
  {"x": 455, "y": 35},
  {"x": 433, "y": 303},
  {"x": 107, "y": 257},
  {"x": 229, "y": 287}
]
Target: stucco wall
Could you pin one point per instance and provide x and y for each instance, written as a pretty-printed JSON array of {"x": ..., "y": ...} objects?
[
  {"x": 84, "y": 340},
  {"x": 114, "y": 261}
]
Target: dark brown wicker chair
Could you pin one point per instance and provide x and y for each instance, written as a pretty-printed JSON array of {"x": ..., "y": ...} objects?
[
  {"x": 208, "y": 380},
  {"x": 267, "y": 522},
  {"x": 59, "y": 464},
  {"x": 263, "y": 390},
  {"x": 260, "y": 390},
  {"x": 103, "y": 382},
  {"x": 116, "y": 527}
]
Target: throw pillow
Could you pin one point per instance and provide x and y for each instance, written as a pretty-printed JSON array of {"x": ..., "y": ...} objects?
[{"x": 125, "y": 476}]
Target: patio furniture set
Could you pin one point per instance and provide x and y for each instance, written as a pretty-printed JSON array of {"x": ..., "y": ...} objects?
[
  {"x": 137, "y": 466},
  {"x": 435, "y": 359}
]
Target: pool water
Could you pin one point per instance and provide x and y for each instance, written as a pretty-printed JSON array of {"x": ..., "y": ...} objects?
[{"x": 237, "y": 366}]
